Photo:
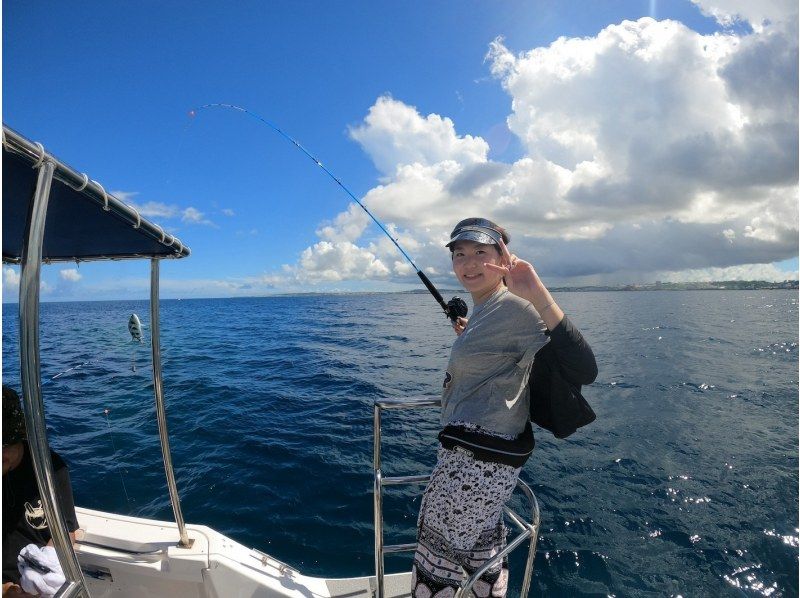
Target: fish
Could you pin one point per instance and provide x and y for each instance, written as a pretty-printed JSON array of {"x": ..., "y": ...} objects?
[{"x": 135, "y": 328}]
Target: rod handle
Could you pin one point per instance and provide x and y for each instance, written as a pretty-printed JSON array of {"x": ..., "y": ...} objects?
[{"x": 436, "y": 295}]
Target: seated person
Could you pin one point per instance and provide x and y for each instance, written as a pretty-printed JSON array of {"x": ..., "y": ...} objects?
[{"x": 24, "y": 521}]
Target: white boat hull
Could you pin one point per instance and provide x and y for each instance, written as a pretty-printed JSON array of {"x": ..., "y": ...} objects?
[{"x": 134, "y": 557}]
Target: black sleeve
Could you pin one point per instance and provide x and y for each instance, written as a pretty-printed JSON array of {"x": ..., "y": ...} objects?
[
  {"x": 64, "y": 491},
  {"x": 573, "y": 353}
]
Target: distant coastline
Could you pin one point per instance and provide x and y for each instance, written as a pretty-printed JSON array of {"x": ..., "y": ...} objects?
[{"x": 723, "y": 285}]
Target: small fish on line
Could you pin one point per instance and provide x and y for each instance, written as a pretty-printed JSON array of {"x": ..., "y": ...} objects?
[{"x": 135, "y": 328}]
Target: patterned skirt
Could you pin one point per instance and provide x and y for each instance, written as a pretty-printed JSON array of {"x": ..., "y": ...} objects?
[{"x": 461, "y": 526}]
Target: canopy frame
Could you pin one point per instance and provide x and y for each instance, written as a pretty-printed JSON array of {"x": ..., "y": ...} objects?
[
  {"x": 30, "y": 261},
  {"x": 152, "y": 235}
]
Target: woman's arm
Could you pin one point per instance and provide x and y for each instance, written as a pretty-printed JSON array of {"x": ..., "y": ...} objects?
[{"x": 575, "y": 357}]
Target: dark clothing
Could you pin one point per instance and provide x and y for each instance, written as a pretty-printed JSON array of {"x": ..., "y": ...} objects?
[
  {"x": 22, "y": 510},
  {"x": 573, "y": 354},
  {"x": 559, "y": 370}
]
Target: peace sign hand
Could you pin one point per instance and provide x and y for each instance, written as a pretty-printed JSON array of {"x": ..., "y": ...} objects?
[{"x": 521, "y": 278}]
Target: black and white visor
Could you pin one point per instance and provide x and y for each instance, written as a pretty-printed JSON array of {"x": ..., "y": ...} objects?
[{"x": 478, "y": 234}]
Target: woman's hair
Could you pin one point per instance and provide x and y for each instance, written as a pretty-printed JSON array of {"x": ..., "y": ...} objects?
[{"x": 13, "y": 418}]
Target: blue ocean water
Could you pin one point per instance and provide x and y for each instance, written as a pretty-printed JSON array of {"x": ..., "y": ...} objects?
[{"x": 687, "y": 483}]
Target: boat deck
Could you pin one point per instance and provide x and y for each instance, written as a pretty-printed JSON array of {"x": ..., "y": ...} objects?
[{"x": 125, "y": 556}]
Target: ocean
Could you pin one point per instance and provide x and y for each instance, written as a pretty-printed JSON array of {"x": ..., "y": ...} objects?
[{"x": 686, "y": 484}]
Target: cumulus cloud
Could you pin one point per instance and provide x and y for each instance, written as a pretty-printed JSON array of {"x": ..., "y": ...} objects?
[
  {"x": 766, "y": 272},
  {"x": 648, "y": 148},
  {"x": 11, "y": 284},
  {"x": 759, "y": 14},
  {"x": 70, "y": 275},
  {"x": 395, "y": 134},
  {"x": 228, "y": 212},
  {"x": 10, "y": 279},
  {"x": 336, "y": 261},
  {"x": 347, "y": 226},
  {"x": 194, "y": 216}
]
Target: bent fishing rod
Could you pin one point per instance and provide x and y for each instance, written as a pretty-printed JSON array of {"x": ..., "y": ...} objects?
[{"x": 453, "y": 309}]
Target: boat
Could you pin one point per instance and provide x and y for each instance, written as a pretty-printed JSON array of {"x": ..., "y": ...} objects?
[{"x": 54, "y": 213}]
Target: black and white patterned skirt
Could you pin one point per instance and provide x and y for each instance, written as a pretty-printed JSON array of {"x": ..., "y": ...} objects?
[{"x": 461, "y": 526}]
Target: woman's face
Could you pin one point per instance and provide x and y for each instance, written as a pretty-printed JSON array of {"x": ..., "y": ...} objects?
[
  {"x": 12, "y": 456},
  {"x": 469, "y": 258}
]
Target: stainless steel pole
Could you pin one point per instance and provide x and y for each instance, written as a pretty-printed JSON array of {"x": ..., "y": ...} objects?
[
  {"x": 534, "y": 527},
  {"x": 377, "y": 500},
  {"x": 161, "y": 412},
  {"x": 30, "y": 371}
]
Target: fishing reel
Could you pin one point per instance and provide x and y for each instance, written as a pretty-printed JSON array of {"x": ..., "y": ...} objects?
[{"x": 457, "y": 308}]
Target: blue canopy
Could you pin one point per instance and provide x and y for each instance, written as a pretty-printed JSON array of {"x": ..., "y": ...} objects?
[{"x": 83, "y": 222}]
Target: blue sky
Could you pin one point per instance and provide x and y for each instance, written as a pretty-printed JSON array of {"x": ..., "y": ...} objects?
[{"x": 432, "y": 112}]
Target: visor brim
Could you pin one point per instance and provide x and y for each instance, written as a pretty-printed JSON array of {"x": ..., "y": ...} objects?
[{"x": 473, "y": 235}]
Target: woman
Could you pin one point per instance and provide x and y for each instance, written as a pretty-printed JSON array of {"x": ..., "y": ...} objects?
[{"x": 485, "y": 401}]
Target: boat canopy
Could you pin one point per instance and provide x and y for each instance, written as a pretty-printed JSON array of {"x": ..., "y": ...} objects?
[
  {"x": 84, "y": 222},
  {"x": 53, "y": 213}
]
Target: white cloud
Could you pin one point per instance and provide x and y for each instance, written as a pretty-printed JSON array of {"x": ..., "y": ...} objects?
[
  {"x": 194, "y": 216},
  {"x": 648, "y": 148},
  {"x": 70, "y": 275},
  {"x": 758, "y": 14},
  {"x": 155, "y": 209},
  {"x": 766, "y": 272},
  {"x": 125, "y": 196},
  {"x": 347, "y": 226},
  {"x": 10, "y": 280},
  {"x": 337, "y": 261},
  {"x": 395, "y": 134},
  {"x": 11, "y": 284}
]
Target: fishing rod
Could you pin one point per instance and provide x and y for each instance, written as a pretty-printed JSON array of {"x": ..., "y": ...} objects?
[{"x": 453, "y": 309}]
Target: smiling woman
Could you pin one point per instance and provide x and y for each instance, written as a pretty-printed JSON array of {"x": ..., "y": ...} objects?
[{"x": 487, "y": 436}]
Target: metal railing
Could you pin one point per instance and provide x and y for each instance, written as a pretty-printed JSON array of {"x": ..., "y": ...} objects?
[
  {"x": 31, "y": 376},
  {"x": 527, "y": 530},
  {"x": 30, "y": 367},
  {"x": 161, "y": 412}
]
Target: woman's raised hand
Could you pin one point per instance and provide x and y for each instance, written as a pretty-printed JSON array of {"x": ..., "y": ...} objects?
[
  {"x": 521, "y": 278},
  {"x": 523, "y": 281}
]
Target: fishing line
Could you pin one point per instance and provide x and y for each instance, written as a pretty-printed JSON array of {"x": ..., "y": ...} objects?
[
  {"x": 453, "y": 309},
  {"x": 135, "y": 330},
  {"x": 73, "y": 368},
  {"x": 116, "y": 461}
]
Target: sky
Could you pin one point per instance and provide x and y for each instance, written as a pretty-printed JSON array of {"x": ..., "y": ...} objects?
[{"x": 618, "y": 141}]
